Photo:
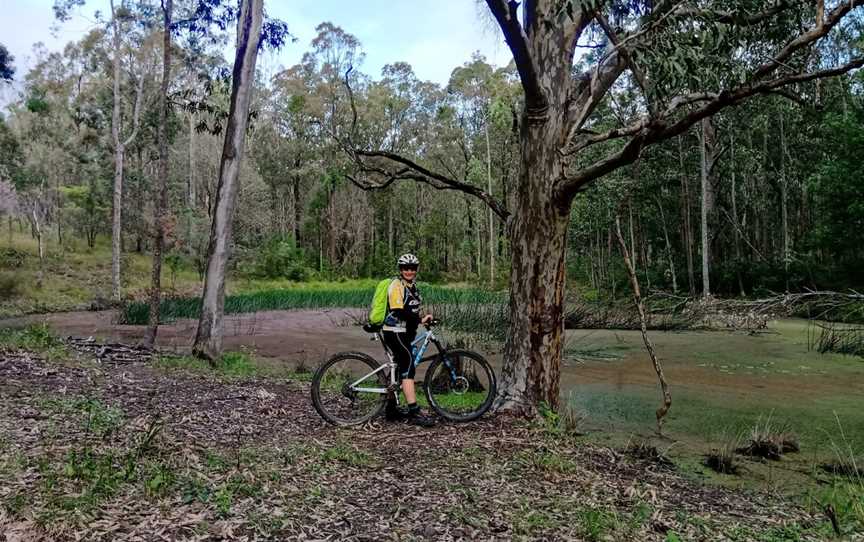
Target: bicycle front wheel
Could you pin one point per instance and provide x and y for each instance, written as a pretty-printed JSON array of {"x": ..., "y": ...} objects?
[
  {"x": 460, "y": 385},
  {"x": 349, "y": 389}
]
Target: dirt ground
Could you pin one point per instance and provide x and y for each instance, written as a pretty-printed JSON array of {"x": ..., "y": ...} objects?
[{"x": 129, "y": 451}]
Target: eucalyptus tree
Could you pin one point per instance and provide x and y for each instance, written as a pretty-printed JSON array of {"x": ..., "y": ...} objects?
[
  {"x": 208, "y": 338},
  {"x": 128, "y": 59},
  {"x": 565, "y": 146}
]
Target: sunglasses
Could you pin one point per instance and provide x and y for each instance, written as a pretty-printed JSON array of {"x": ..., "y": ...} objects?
[{"x": 408, "y": 267}]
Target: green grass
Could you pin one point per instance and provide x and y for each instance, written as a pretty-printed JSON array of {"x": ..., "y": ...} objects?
[
  {"x": 37, "y": 338},
  {"x": 231, "y": 364},
  {"x": 304, "y": 296}
]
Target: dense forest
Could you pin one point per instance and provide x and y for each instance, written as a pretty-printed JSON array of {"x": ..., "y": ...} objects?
[{"x": 761, "y": 197}]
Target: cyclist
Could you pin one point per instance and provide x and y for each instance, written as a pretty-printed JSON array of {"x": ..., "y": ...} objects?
[{"x": 400, "y": 328}]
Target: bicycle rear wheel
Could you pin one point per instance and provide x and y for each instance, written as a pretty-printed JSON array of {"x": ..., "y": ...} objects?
[
  {"x": 460, "y": 385},
  {"x": 335, "y": 392}
]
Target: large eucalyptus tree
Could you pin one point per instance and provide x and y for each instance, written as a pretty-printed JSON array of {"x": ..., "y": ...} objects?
[{"x": 690, "y": 59}]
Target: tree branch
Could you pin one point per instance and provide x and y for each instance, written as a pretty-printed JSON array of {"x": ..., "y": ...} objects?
[
  {"x": 638, "y": 75},
  {"x": 414, "y": 171},
  {"x": 729, "y": 17},
  {"x": 821, "y": 29},
  {"x": 536, "y": 104},
  {"x": 139, "y": 90},
  {"x": 649, "y": 131}
]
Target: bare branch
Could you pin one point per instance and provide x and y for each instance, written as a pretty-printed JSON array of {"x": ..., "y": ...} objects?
[
  {"x": 139, "y": 90},
  {"x": 415, "y": 171}
]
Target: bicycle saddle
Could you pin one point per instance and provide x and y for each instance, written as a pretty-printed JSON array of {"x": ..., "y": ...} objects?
[{"x": 372, "y": 328}]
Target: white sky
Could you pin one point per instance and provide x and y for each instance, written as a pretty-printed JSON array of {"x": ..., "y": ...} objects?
[{"x": 434, "y": 36}]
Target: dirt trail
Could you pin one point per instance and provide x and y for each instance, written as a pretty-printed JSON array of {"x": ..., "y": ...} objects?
[{"x": 305, "y": 335}]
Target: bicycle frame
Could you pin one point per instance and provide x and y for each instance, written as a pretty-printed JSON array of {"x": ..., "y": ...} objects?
[{"x": 420, "y": 345}]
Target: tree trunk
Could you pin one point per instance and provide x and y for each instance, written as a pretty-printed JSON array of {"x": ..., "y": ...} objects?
[
  {"x": 116, "y": 227},
  {"x": 491, "y": 213},
  {"x": 538, "y": 242},
  {"x": 784, "y": 205},
  {"x": 162, "y": 184},
  {"x": 668, "y": 246},
  {"x": 191, "y": 196},
  {"x": 208, "y": 339},
  {"x": 687, "y": 222},
  {"x": 707, "y": 155},
  {"x": 736, "y": 222}
]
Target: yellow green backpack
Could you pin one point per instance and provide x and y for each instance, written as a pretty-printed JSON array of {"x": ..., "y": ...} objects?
[{"x": 379, "y": 303}]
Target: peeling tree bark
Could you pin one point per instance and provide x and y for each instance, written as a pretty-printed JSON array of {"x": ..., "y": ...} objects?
[{"x": 208, "y": 339}]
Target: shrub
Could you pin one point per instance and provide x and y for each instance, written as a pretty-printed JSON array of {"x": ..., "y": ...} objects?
[
  {"x": 769, "y": 440},
  {"x": 12, "y": 258},
  {"x": 279, "y": 258},
  {"x": 10, "y": 286}
]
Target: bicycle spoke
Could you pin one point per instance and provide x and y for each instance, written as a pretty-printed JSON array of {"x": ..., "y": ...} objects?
[
  {"x": 336, "y": 394},
  {"x": 460, "y": 386}
]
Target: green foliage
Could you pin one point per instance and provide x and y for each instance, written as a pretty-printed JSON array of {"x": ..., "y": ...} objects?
[
  {"x": 280, "y": 258},
  {"x": 837, "y": 186},
  {"x": 34, "y": 338},
  {"x": 299, "y": 297},
  {"x": 10, "y": 285},
  {"x": 231, "y": 364}
]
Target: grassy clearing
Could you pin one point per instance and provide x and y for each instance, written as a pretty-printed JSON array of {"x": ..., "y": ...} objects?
[
  {"x": 36, "y": 338},
  {"x": 233, "y": 365}
]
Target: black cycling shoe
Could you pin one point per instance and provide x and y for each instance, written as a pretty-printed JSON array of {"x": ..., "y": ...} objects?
[
  {"x": 416, "y": 418},
  {"x": 393, "y": 413}
]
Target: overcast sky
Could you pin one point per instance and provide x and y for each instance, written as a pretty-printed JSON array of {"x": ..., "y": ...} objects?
[{"x": 434, "y": 36}]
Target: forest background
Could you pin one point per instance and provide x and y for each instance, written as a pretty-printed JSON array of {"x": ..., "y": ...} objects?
[{"x": 778, "y": 188}]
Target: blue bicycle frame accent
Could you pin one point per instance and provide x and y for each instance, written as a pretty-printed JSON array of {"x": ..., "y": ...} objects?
[
  {"x": 418, "y": 348},
  {"x": 418, "y": 351}
]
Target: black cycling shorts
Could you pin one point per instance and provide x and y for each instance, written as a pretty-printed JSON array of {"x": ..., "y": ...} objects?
[{"x": 399, "y": 345}]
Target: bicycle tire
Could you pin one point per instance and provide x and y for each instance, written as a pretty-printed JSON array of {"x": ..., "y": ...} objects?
[
  {"x": 432, "y": 388},
  {"x": 322, "y": 401}
]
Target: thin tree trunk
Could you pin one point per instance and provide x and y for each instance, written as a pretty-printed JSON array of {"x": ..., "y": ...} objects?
[
  {"x": 784, "y": 205},
  {"x": 491, "y": 213},
  {"x": 737, "y": 230},
  {"x": 208, "y": 339},
  {"x": 707, "y": 153},
  {"x": 116, "y": 228},
  {"x": 687, "y": 222},
  {"x": 119, "y": 155},
  {"x": 190, "y": 188},
  {"x": 668, "y": 246},
  {"x": 660, "y": 413},
  {"x": 162, "y": 185}
]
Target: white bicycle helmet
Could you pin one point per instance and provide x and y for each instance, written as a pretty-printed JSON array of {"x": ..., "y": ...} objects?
[{"x": 408, "y": 259}]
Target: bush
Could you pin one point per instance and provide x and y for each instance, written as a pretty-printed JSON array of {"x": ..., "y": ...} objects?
[
  {"x": 279, "y": 258},
  {"x": 12, "y": 258},
  {"x": 10, "y": 286}
]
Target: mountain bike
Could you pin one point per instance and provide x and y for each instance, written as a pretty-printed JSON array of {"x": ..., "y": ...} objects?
[{"x": 352, "y": 388}]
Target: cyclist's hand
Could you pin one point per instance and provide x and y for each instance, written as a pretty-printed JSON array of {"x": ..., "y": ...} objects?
[{"x": 426, "y": 319}]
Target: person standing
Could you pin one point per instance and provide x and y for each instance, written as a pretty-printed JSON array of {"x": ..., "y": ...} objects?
[{"x": 400, "y": 328}]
